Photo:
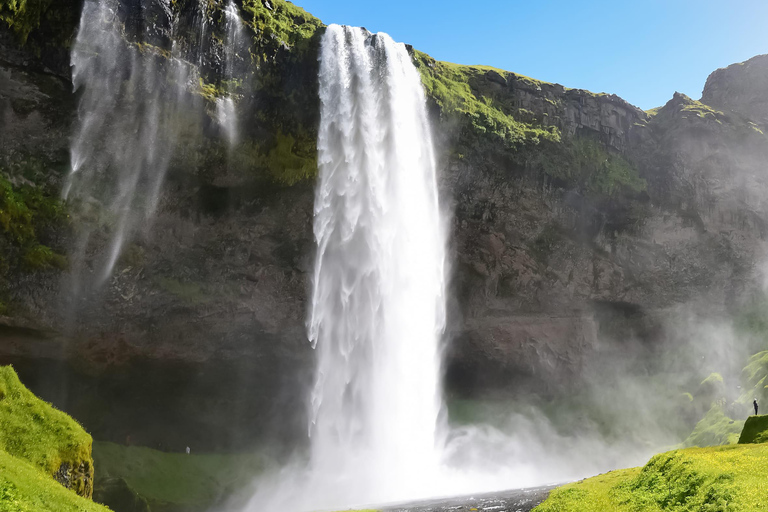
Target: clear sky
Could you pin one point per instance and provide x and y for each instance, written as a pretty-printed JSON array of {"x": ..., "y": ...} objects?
[{"x": 642, "y": 50}]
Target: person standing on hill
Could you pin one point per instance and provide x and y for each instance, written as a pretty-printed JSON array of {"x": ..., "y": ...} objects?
[{"x": 754, "y": 402}]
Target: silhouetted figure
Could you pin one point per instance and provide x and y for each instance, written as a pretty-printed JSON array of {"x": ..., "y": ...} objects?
[{"x": 754, "y": 402}]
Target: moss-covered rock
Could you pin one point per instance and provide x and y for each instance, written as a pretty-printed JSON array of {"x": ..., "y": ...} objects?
[
  {"x": 47, "y": 438},
  {"x": 728, "y": 478},
  {"x": 715, "y": 429},
  {"x": 755, "y": 430},
  {"x": 24, "y": 488}
]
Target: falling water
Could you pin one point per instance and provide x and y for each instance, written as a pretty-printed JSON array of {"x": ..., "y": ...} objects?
[
  {"x": 226, "y": 112},
  {"x": 378, "y": 304},
  {"x": 131, "y": 101},
  {"x": 137, "y": 67}
]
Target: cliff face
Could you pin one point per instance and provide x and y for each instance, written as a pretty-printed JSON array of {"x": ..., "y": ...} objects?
[
  {"x": 740, "y": 88},
  {"x": 578, "y": 221}
]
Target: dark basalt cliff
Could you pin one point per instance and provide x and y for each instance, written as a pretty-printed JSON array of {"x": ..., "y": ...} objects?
[{"x": 578, "y": 222}]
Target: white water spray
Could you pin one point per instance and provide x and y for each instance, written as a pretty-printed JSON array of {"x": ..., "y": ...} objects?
[
  {"x": 137, "y": 104},
  {"x": 378, "y": 304},
  {"x": 226, "y": 112},
  {"x": 128, "y": 112}
]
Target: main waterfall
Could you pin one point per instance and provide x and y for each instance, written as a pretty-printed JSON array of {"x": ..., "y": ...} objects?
[{"x": 378, "y": 305}]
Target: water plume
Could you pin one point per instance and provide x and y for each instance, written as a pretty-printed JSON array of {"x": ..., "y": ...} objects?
[
  {"x": 226, "y": 112},
  {"x": 132, "y": 97},
  {"x": 139, "y": 69},
  {"x": 378, "y": 303}
]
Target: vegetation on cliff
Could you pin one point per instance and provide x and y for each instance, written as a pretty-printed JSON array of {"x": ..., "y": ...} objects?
[
  {"x": 728, "y": 478},
  {"x": 755, "y": 430},
  {"x": 715, "y": 429},
  {"x": 282, "y": 25},
  {"x": 23, "y": 16},
  {"x": 455, "y": 90},
  {"x": 33, "y": 430},
  {"x": 27, "y": 216},
  {"x": 173, "y": 481},
  {"x": 44, "y": 27},
  {"x": 24, "y": 488}
]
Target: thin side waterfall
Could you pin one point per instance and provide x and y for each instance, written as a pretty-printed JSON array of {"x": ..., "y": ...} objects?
[
  {"x": 132, "y": 98},
  {"x": 226, "y": 112},
  {"x": 138, "y": 67}
]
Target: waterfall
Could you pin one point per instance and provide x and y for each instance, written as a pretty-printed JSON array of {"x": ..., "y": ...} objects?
[
  {"x": 138, "y": 69},
  {"x": 378, "y": 303},
  {"x": 226, "y": 113},
  {"x": 129, "y": 110}
]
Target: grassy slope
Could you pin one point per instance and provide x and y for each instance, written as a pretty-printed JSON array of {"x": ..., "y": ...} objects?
[
  {"x": 715, "y": 429},
  {"x": 755, "y": 430},
  {"x": 33, "y": 430},
  {"x": 724, "y": 478},
  {"x": 35, "y": 439},
  {"x": 24, "y": 488},
  {"x": 176, "y": 478}
]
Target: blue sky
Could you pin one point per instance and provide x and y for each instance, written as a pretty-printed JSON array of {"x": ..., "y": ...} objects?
[{"x": 642, "y": 50}]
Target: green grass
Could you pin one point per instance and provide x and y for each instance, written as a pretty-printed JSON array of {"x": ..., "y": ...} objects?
[
  {"x": 26, "y": 211},
  {"x": 755, "y": 430},
  {"x": 286, "y": 24},
  {"x": 188, "y": 292},
  {"x": 194, "y": 481},
  {"x": 24, "y": 488},
  {"x": 715, "y": 429},
  {"x": 754, "y": 379},
  {"x": 23, "y": 16},
  {"x": 33, "y": 430},
  {"x": 457, "y": 90},
  {"x": 716, "y": 479}
]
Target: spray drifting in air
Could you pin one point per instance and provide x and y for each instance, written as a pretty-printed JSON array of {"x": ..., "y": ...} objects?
[
  {"x": 378, "y": 304},
  {"x": 377, "y": 432},
  {"x": 137, "y": 100}
]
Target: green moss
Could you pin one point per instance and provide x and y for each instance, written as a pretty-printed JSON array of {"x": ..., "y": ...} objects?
[
  {"x": 544, "y": 243},
  {"x": 715, "y": 429},
  {"x": 703, "y": 111},
  {"x": 285, "y": 25},
  {"x": 653, "y": 111},
  {"x": 451, "y": 87},
  {"x": 588, "y": 166},
  {"x": 717, "y": 479},
  {"x": 754, "y": 378},
  {"x": 290, "y": 161},
  {"x": 24, "y": 488},
  {"x": 286, "y": 159},
  {"x": 33, "y": 430},
  {"x": 23, "y": 16},
  {"x": 25, "y": 212},
  {"x": 41, "y": 25},
  {"x": 710, "y": 389},
  {"x": 755, "y": 430},
  {"x": 189, "y": 292},
  {"x": 167, "y": 480}
]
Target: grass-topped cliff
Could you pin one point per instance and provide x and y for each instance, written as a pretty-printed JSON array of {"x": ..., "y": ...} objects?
[
  {"x": 24, "y": 488},
  {"x": 717, "y": 479},
  {"x": 45, "y": 456}
]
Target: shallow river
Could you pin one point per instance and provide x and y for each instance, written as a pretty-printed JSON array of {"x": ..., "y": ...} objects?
[{"x": 518, "y": 500}]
